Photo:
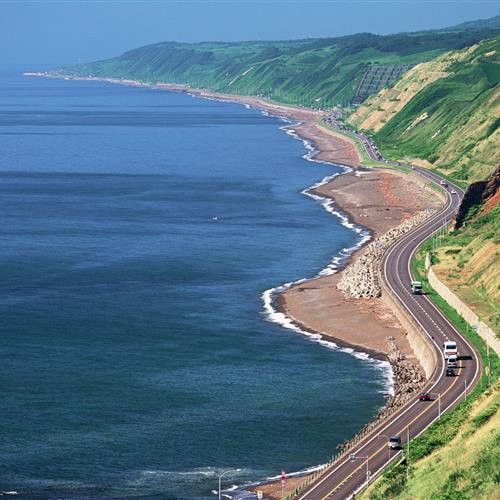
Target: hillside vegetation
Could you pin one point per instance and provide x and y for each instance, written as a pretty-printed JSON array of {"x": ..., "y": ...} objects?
[
  {"x": 315, "y": 72},
  {"x": 467, "y": 467},
  {"x": 445, "y": 112},
  {"x": 468, "y": 258}
]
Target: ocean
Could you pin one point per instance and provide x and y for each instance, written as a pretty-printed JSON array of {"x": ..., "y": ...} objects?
[{"x": 140, "y": 232}]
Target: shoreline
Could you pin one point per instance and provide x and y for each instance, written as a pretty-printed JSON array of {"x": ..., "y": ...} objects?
[
  {"x": 287, "y": 300},
  {"x": 313, "y": 138}
]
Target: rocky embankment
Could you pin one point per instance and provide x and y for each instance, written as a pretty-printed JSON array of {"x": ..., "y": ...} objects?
[
  {"x": 408, "y": 379},
  {"x": 360, "y": 280}
]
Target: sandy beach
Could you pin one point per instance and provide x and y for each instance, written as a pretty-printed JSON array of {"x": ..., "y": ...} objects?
[{"x": 376, "y": 199}]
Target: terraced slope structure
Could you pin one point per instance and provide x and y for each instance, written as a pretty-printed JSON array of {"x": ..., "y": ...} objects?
[
  {"x": 377, "y": 77},
  {"x": 443, "y": 114},
  {"x": 315, "y": 72}
]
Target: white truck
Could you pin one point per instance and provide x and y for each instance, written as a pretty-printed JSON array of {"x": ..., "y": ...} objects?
[
  {"x": 450, "y": 349},
  {"x": 416, "y": 288}
]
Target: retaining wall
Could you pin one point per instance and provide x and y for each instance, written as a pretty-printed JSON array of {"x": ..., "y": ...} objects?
[
  {"x": 421, "y": 345},
  {"x": 463, "y": 309}
]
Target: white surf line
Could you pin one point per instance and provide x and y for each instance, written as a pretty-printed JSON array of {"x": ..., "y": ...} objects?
[{"x": 328, "y": 204}]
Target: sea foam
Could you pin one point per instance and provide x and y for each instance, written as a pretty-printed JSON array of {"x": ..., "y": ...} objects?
[{"x": 269, "y": 296}]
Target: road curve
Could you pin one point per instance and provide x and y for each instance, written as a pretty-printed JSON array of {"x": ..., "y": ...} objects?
[{"x": 372, "y": 454}]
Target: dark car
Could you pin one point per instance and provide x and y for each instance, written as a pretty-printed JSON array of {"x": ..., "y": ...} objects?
[
  {"x": 424, "y": 396},
  {"x": 450, "y": 372},
  {"x": 394, "y": 443}
]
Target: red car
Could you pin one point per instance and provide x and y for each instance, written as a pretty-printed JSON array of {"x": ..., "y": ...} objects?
[{"x": 424, "y": 396}]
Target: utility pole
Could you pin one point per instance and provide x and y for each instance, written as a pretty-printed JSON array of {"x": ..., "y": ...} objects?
[
  {"x": 408, "y": 453},
  {"x": 438, "y": 394}
]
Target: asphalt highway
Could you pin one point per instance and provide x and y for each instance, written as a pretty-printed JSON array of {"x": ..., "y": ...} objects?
[{"x": 372, "y": 454}]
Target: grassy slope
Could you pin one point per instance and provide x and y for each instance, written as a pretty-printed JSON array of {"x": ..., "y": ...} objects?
[
  {"x": 451, "y": 460},
  {"x": 378, "y": 109},
  {"x": 316, "y": 73},
  {"x": 468, "y": 261},
  {"x": 471, "y": 460},
  {"x": 449, "y": 114},
  {"x": 467, "y": 467},
  {"x": 446, "y": 112}
]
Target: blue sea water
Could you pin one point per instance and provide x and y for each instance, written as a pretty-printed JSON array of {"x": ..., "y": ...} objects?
[{"x": 139, "y": 231}]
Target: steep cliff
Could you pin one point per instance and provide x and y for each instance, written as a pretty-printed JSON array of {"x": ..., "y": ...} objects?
[{"x": 481, "y": 196}]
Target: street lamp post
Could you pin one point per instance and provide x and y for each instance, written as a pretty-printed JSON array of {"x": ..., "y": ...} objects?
[
  {"x": 222, "y": 475},
  {"x": 353, "y": 457},
  {"x": 438, "y": 394}
]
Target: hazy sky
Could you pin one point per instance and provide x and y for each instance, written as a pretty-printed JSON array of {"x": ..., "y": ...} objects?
[{"x": 67, "y": 31}]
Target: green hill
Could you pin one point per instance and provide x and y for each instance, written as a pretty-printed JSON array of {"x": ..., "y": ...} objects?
[
  {"x": 445, "y": 112},
  {"x": 468, "y": 259},
  {"x": 314, "y": 72},
  {"x": 492, "y": 22},
  {"x": 465, "y": 468}
]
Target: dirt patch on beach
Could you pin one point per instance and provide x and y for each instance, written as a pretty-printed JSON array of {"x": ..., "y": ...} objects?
[{"x": 377, "y": 200}]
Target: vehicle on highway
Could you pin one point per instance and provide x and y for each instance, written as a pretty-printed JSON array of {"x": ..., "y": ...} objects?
[
  {"x": 416, "y": 288},
  {"x": 394, "y": 443},
  {"x": 452, "y": 361},
  {"x": 450, "y": 349},
  {"x": 424, "y": 396},
  {"x": 444, "y": 183},
  {"x": 450, "y": 372},
  {"x": 453, "y": 191}
]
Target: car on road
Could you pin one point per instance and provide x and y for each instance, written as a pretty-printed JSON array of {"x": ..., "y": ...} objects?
[
  {"x": 424, "y": 396},
  {"x": 452, "y": 361},
  {"x": 394, "y": 443},
  {"x": 453, "y": 191},
  {"x": 450, "y": 372}
]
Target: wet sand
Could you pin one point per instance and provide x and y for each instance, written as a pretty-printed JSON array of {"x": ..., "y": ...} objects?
[{"x": 378, "y": 200}]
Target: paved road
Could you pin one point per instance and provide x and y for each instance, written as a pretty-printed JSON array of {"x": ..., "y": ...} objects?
[{"x": 372, "y": 454}]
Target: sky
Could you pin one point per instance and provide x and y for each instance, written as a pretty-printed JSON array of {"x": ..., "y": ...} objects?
[{"x": 42, "y": 32}]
